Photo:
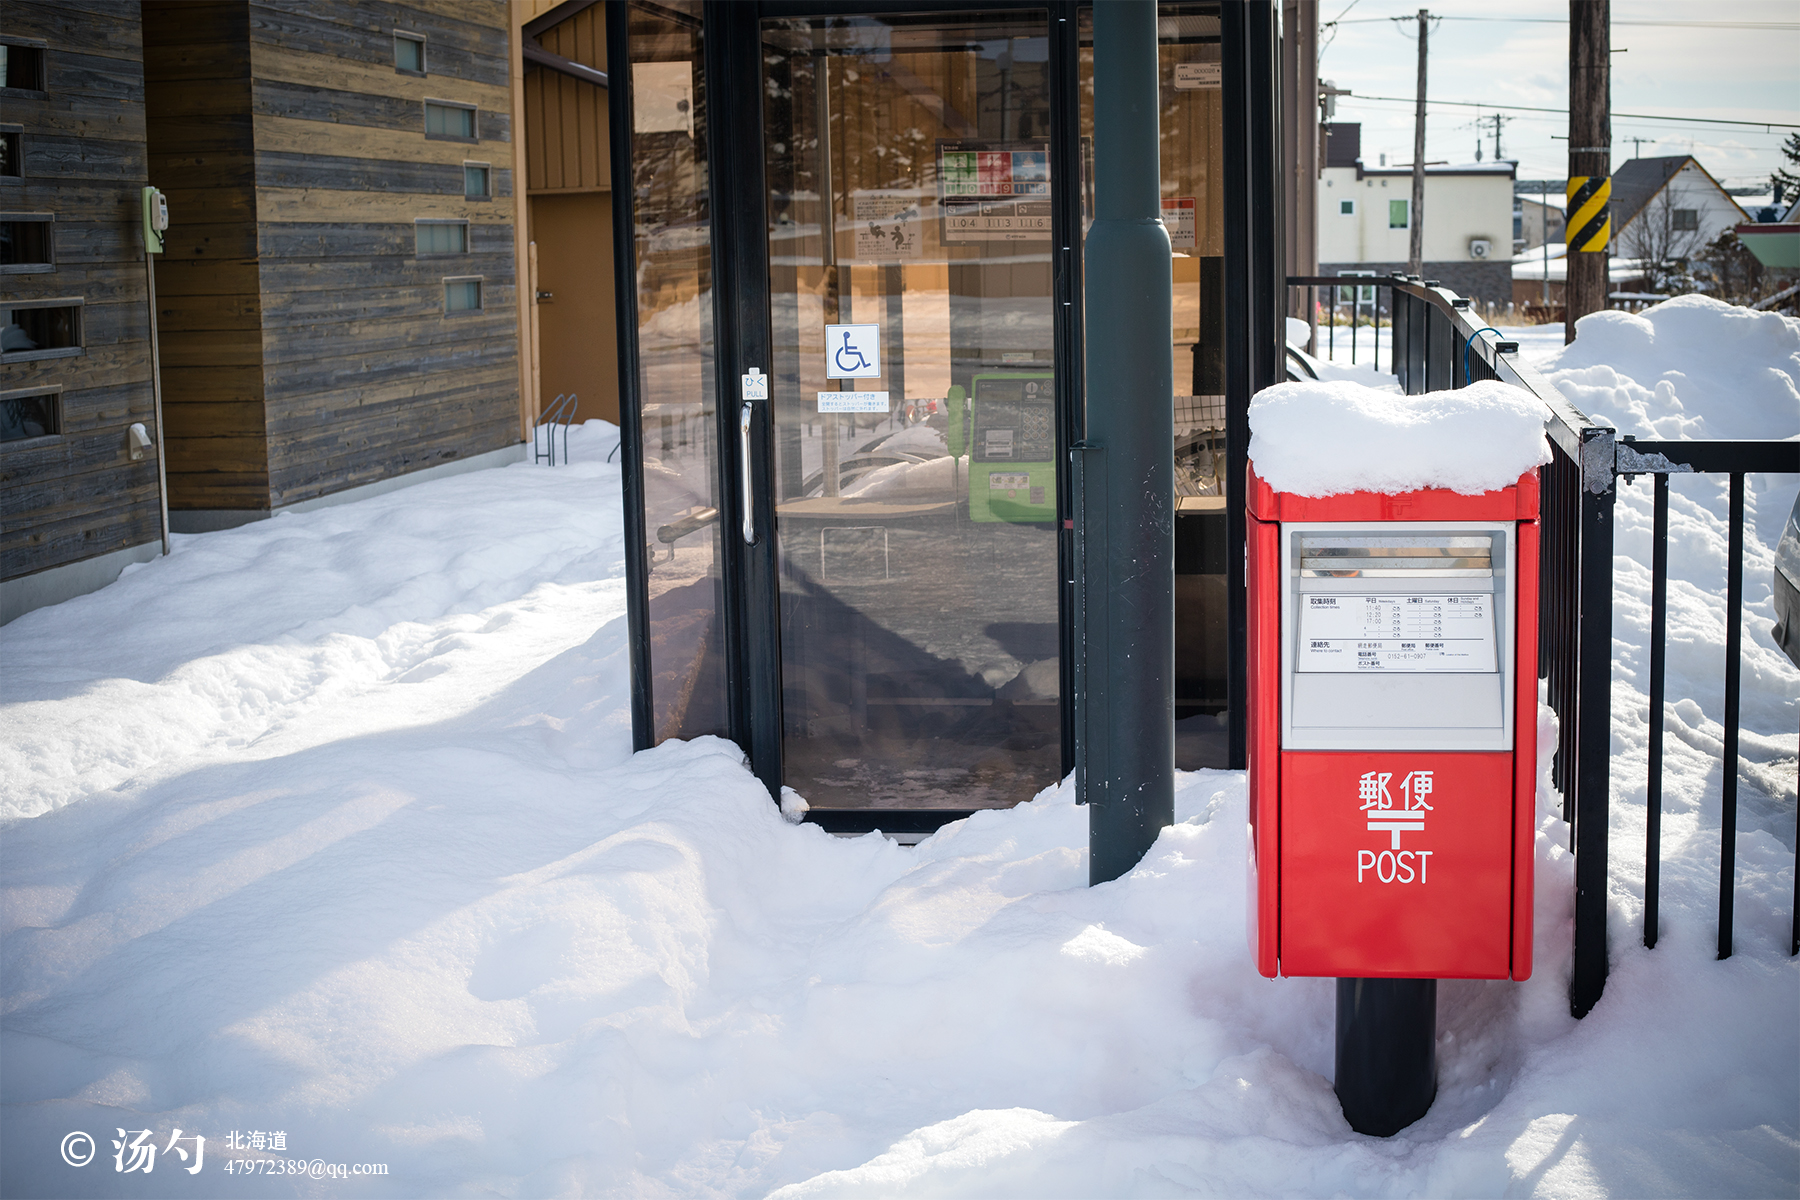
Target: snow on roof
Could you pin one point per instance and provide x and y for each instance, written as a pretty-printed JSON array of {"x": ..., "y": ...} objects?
[
  {"x": 1326, "y": 438},
  {"x": 1526, "y": 266},
  {"x": 1537, "y": 253},
  {"x": 1637, "y": 181},
  {"x": 1502, "y": 167}
]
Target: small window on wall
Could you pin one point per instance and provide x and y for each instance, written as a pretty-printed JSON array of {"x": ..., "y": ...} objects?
[
  {"x": 449, "y": 121},
  {"x": 1346, "y": 208},
  {"x": 12, "y": 153},
  {"x": 1687, "y": 220},
  {"x": 26, "y": 414},
  {"x": 41, "y": 329},
  {"x": 462, "y": 295},
  {"x": 1397, "y": 213},
  {"x": 441, "y": 237},
  {"x": 476, "y": 182},
  {"x": 22, "y": 65},
  {"x": 27, "y": 243},
  {"x": 409, "y": 53}
]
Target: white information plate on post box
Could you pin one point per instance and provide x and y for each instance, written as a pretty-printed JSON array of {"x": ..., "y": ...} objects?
[{"x": 1396, "y": 633}]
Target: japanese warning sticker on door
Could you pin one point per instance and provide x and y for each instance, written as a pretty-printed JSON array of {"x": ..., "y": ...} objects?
[
  {"x": 887, "y": 225},
  {"x": 1178, "y": 218},
  {"x": 994, "y": 191}
]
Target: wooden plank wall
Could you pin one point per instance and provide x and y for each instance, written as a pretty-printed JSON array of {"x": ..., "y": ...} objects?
[
  {"x": 365, "y": 376},
  {"x": 78, "y": 494},
  {"x": 569, "y": 195},
  {"x": 197, "y": 85},
  {"x": 566, "y": 139}
]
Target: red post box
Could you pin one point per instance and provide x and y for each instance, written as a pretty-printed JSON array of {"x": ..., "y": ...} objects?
[{"x": 1392, "y": 732}]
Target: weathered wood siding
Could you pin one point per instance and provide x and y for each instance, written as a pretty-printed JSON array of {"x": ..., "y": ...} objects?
[
  {"x": 209, "y": 309},
  {"x": 306, "y": 348},
  {"x": 78, "y": 494},
  {"x": 365, "y": 376}
]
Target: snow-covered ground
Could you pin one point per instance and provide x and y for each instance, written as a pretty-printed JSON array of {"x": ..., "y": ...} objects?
[{"x": 330, "y": 826}]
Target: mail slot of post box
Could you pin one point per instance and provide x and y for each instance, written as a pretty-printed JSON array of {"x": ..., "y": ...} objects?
[{"x": 1397, "y": 636}]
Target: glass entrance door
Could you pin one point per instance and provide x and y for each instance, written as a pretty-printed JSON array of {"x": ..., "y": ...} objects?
[{"x": 913, "y": 407}]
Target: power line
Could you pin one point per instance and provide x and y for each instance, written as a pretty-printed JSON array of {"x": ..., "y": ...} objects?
[
  {"x": 1763, "y": 25},
  {"x": 1767, "y": 125},
  {"x": 1554, "y": 119}
]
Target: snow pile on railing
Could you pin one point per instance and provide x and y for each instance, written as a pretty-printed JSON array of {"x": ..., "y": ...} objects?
[
  {"x": 1326, "y": 438},
  {"x": 1693, "y": 367}
]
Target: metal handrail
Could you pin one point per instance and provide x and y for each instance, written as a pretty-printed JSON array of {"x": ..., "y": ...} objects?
[
  {"x": 1355, "y": 283},
  {"x": 561, "y": 412},
  {"x": 1576, "y": 593}
]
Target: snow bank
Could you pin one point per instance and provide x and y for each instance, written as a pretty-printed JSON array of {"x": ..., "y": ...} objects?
[
  {"x": 1696, "y": 368},
  {"x": 502, "y": 956},
  {"x": 1326, "y": 437},
  {"x": 278, "y": 627}
]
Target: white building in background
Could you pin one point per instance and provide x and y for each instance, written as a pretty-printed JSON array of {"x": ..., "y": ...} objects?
[
  {"x": 1668, "y": 207},
  {"x": 1538, "y": 219},
  {"x": 1365, "y": 218}
]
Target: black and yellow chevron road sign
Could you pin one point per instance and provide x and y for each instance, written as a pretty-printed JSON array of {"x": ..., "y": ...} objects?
[{"x": 1588, "y": 220}]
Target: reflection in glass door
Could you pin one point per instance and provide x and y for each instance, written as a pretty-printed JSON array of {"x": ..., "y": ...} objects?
[
  {"x": 677, "y": 409},
  {"x": 913, "y": 407}
]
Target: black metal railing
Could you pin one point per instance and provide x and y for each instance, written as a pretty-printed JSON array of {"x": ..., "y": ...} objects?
[
  {"x": 1436, "y": 346},
  {"x": 1344, "y": 298}
]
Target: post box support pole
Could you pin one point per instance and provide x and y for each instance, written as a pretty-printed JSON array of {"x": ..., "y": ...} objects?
[
  {"x": 1129, "y": 550},
  {"x": 1386, "y": 1052}
]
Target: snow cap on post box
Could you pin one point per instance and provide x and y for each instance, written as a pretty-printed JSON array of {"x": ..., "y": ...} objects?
[{"x": 1328, "y": 438}]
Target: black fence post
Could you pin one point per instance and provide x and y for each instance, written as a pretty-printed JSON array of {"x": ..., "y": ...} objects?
[
  {"x": 1659, "y": 656},
  {"x": 1418, "y": 337},
  {"x": 1399, "y": 302},
  {"x": 1734, "y": 649},
  {"x": 1593, "y": 731}
]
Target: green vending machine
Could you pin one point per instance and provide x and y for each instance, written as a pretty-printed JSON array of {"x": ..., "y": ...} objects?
[{"x": 1007, "y": 427}]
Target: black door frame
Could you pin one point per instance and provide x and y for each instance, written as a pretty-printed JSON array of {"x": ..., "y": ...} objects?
[{"x": 743, "y": 337}]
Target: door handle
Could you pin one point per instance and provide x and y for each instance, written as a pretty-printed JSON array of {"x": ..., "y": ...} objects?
[{"x": 744, "y": 473}]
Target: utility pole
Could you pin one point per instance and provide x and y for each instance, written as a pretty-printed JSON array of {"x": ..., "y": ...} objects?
[
  {"x": 1498, "y": 118},
  {"x": 1637, "y": 144},
  {"x": 1544, "y": 216},
  {"x": 1415, "y": 255},
  {"x": 1588, "y": 224}
]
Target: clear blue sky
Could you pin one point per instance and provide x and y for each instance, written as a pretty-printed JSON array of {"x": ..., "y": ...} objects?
[{"x": 1677, "y": 69}]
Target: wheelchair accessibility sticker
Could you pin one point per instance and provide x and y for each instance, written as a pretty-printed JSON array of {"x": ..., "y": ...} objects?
[{"x": 852, "y": 351}]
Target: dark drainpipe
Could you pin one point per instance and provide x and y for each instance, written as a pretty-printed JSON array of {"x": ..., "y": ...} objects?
[{"x": 1125, "y": 469}]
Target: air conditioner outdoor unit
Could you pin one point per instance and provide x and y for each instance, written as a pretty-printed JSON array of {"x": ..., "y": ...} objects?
[{"x": 1480, "y": 247}]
